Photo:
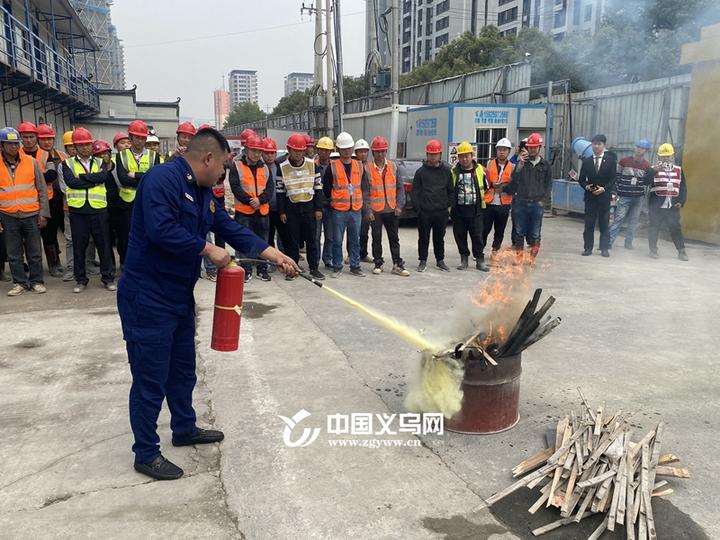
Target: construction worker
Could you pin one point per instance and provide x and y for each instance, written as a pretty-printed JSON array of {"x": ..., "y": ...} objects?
[
  {"x": 245, "y": 134},
  {"x": 24, "y": 210},
  {"x": 468, "y": 206},
  {"x": 174, "y": 212},
  {"x": 309, "y": 147},
  {"x": 633, "y": 175},
  {"x": 668, "y": 194},
  {"x": 387, "y": 199},
  {"x": 497, "y": 204},
  {"x": 277, "y": 228},
  {"x": 121, "y": 141},
  {"x": 529, "y": 182},
  {"x": 86, "y": 178},
  {"x": 362, "y": 152},
  {"x": 325, "y": 146},
  {"x": 251, "y": 185},
  {"x": 67, "y": 144},
  {"x": 346, "y": 185},
  {"x": 432, "y": 195},
  {"x": 53, "y": 161},
  {"x": 184, "y": 133},
  {"x": 300, "y": 202},
  {"x": 131, "y": 164}
]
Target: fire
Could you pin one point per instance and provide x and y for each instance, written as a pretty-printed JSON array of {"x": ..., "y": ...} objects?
[{"x": 498, "y": 297}]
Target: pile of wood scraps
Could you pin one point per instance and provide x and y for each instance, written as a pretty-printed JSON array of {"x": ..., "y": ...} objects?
[{"x": 594, "y": 467}]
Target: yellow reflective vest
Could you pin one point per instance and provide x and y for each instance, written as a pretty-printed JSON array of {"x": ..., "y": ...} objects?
[
  {"x": 96, "y": 195},
  {"x": 131, "y": 164}
]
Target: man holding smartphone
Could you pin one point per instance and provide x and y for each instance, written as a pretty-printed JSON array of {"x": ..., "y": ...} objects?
[{"x": 597, "y": 178}]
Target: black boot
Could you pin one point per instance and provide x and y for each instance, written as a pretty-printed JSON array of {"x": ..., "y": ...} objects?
[{"x": 463, "y": 262}]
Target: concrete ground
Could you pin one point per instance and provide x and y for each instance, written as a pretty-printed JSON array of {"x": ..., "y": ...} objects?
[{"x": 636, "y": 333}]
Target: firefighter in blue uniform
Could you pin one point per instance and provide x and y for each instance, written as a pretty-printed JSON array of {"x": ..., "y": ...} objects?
[{"x": 174, "y": 210}]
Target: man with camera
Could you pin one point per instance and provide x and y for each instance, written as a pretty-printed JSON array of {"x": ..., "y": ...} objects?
[
  {"x": 597, "y": 178},
  {"x": 530, "y": 181}
]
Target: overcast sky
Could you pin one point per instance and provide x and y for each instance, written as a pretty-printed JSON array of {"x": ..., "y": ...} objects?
[{"x": 183, "y": 47}]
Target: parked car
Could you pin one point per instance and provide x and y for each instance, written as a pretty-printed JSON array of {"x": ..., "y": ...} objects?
[{"x": 406, "y": 169}]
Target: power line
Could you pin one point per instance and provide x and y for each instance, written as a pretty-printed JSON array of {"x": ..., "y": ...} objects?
[{"x": 229, "y": 34}]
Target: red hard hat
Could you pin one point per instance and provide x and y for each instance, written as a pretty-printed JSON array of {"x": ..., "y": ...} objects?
[
  {"x": 119, "y": 136},
  {"x": 245, "y": 135},
  {"x": 139, "y": 128},
  {"x": 379, "y": 143},
  {"x": 203, "y": 126},
  {"x": 534, "y": 140},
  {"x": 100, "y": 146},
  {"x": 433, "y": 147},
  {"x": 309, "y": 141},
  {"x": 27, "y": 127},
  {"x": 297, "y": 141},
  {"x": 81, "y": 136},
  {"x": 44, "y": 131},
  {"x": 254, "y": 142},
  {"x": 269, "y": 145},
  {"x": 186, "y": 127}
]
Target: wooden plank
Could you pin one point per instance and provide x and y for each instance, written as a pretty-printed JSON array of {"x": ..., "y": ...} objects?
[
  {"x": 587, "y": 405},
  {"x": 600, "y": 529},
  {"x": 586, "y": 501},
  {"x": 557, "y": 524},
  {"x": 667, "y": 491},
  {"x": 520, "y": 483},
  {"x": 532, "y": 462},
  {"x": 544, "y": 497},
  {"x": 597, "y": 479},
  {"x": 677, "y": 472},
  {"x": 570, "y": 489},
  {"x": 666, "y": 459}
]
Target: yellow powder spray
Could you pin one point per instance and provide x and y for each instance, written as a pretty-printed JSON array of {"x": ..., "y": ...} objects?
[{"x": 439, "y": 384}]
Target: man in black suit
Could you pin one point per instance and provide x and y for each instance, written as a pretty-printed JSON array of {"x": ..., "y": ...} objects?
[{"x": 597, "y": 176}]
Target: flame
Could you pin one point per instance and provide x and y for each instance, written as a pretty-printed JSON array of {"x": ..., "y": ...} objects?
[{"x": 499, "y": 294}]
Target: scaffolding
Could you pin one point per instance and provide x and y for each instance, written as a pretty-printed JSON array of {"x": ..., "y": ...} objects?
[{"x": 110, "y": 58}]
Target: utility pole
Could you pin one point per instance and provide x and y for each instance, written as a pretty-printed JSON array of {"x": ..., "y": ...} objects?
[
  {"x": 395, "y": 78},
  {"x": 317, "y": 88},
  {"x": 339, "y": 62},
  {"x": 329, "y": 96}
]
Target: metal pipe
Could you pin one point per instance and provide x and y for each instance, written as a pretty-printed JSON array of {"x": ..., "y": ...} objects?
[
  {"x": 339, "y": 62},
  {"x": 395, "y": 81},
  {"x": 329, "y": 96}
]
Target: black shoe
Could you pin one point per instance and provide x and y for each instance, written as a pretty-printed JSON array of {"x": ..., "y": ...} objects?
[
  {"x": 357, "y": 272},
  {"x": 605, "y": 253},
  {"x": 463, "y": 262},
  {"x": 442, "y": 266},
  {"x": 248, "y": 277},
  {"x": 328, "y": 265},
  {"x": 317, "y": 274},
  {"x": 422, "y": 266},
  {"x": 587, "y": 253},
  {"x": 201, "y": 436},
  {"x": 481, "y": 265},
  {"x": 264, "y": 276},
  {"x": 160, "y": 469}
]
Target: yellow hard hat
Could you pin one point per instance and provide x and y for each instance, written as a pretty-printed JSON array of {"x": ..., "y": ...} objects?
[
  {"x": 465, "y": 148},
  {"x": 67, "y": 138},
  {"x": 666, "y": 149},
  {"x": 325, "y": 143}
]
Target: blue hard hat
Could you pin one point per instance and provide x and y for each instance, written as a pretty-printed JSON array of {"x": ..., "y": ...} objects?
[
  {"x": 8, "y": 134},
  {"x": 644, "y": 143}
]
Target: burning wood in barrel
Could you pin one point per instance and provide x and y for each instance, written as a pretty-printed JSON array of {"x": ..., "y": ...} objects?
[{"x": 492, "y": 345}]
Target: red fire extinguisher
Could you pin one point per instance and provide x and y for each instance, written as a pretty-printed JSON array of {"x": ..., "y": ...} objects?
[{"x": 228, "y": 308}]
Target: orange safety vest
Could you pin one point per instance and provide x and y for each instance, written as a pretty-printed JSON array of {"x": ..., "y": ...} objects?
[
  {"x": 495, "y": 182},
  {"x": 253, "y": 186},
  {"x": 340, "y": 198},
  {"x": 42, "y": 158},
  {"x": 382, "y": 187},
  {"x": 19, "y": 194}
]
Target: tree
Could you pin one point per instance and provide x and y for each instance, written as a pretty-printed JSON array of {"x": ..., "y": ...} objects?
[
  {"x": 294, "y": 103},
  {"x": 355, "y": 87},
  {"x": 244, "y": 113}
]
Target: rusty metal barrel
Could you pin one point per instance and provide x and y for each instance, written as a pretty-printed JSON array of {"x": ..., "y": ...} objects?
[{"x": 491, "y": 400}]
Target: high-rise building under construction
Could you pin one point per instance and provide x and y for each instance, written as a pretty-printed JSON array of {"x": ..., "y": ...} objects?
[{"x": 108, "y": 63}]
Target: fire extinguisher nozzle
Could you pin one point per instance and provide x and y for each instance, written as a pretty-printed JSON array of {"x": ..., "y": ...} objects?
[{"x": 310, "y": 279}]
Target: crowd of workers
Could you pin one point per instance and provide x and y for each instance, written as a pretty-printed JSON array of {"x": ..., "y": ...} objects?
[{"x": 313, "y": 201}]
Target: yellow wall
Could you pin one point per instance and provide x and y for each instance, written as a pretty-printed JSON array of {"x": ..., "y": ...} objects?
[{"x": 701, "y": 161}]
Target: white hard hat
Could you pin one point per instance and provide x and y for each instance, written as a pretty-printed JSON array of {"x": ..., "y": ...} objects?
[
  {"x": 344, "y": 140},
  {"x": 362, "y": 144},
  {"x": 504, "y": 143},
  {"x": 152, "y": 139}
]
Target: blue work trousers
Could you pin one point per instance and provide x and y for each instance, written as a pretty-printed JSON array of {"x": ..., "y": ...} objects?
[
  {"x": 527, "y": 219},
  {"x": 350, "y": 221}
]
